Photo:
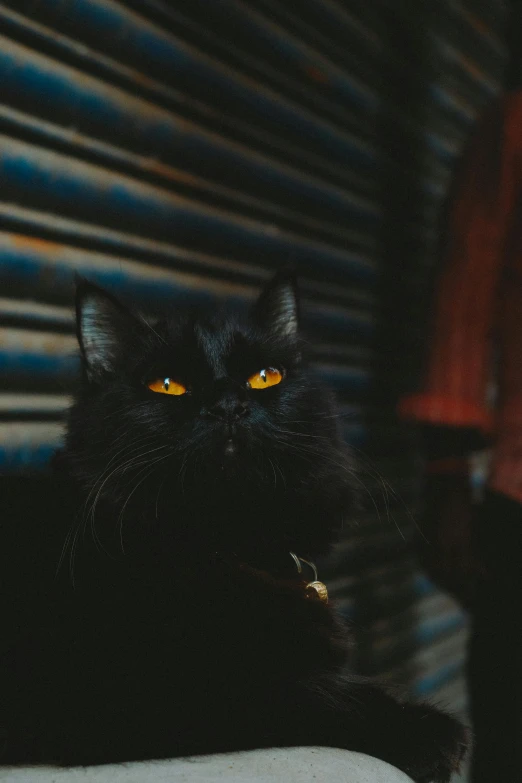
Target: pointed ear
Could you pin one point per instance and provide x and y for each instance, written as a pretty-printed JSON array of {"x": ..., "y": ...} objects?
[
  {"x": 104, "y": 327},
  {"x": 277, "y": 309}
]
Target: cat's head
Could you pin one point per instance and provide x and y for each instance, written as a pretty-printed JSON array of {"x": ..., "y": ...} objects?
[{"x": 206, "y": 426}]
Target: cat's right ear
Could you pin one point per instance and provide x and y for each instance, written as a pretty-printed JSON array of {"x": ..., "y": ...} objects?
[
  {"x": 104, "y": 327},
  {"x": 277, "y": 308}
]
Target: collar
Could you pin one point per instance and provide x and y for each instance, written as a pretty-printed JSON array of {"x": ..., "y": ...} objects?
[
  {"x": 315, "y": 585},
  {"x": 313, "y": 589}
]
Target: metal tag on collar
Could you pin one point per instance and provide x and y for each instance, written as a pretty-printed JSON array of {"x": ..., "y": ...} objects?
[{"x": 316, "y": 585}]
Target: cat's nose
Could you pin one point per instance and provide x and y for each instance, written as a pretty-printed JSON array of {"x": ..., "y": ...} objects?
[{"x": 229, "y": 410}]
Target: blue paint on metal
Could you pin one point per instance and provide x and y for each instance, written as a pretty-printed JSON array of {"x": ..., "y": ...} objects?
[
  {"x": 479, "y": 31},
  {"x": 451, "y": 104},
  {"x": 20, "y": 458},
  {"x": 469, "y": 67},
  {"x": 137, "y": 165},
  {"x": 430, "y": 630},
  {"x": 341, "y": 16},
  {"x": 423, "y": 586},
  {"x": 346, "y": 379},
  {"x": 30, "y": 367},
  {"x": 301, "y": 56},
  {"x": 115, "y": 28},
  {"x": 27, "y": 268},
  {"x": 40, "y": 178},
  {"x": 333, "y": 78},
  {"x": 436, "y": 680},
  {"x": 441, "y": 148},
  {"x": 58, "y": 91}
]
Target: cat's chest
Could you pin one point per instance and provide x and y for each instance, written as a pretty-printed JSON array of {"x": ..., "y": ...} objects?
[{"x": 215, "y": 620}]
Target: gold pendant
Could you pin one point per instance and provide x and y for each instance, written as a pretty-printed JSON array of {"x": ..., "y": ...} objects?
[{"x": 318, "y": 587}]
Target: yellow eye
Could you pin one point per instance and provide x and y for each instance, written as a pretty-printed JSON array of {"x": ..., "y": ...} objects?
[
  {"x": 167, "y": 386},
  {"x": 264, "y": 379}
]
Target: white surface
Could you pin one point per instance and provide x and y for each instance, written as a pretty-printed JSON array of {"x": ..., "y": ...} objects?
[{"x": 274, "y": 765}]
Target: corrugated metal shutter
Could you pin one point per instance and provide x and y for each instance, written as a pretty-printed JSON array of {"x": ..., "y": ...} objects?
[{"x": 183, "y": 148}]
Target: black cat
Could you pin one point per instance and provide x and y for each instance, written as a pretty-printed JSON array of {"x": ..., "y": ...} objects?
[{"x": 204, "y": 452}]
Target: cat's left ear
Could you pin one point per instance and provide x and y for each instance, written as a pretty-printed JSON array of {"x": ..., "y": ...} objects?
[
  {"x": 277, "y": 308},
  {"x": 104, "y": 328}
]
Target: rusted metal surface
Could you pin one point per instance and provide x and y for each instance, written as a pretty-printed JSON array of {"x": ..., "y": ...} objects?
[
  {"x": 166, "y": 152},
  {"x": 38, "y": 177},
  {"x": 52, "y": 90}
]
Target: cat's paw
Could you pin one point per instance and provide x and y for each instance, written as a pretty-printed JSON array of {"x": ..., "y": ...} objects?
[{"x": 437, "y": 743}]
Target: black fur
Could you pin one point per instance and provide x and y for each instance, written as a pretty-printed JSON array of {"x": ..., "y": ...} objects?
[{"x": 188, "y": 629}]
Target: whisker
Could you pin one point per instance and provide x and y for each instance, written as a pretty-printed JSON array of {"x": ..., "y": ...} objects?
[
  {"x": 144, "y": 321},
  {"x": 273, "y": 468},
  {"x": 89, "y": 508},
  {"x": 147, "y": 470}
]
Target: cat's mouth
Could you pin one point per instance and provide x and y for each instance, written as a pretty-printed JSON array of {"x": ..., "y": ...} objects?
[{"x": 230, "y": 449}]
